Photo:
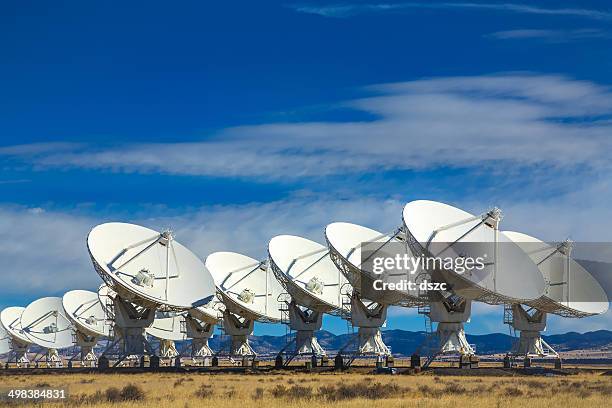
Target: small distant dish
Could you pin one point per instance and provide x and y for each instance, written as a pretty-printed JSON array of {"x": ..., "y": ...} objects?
[
  {"x": 149, "y": 268},
  {"x": 168, "y": 327},
  {"x": 11, "y": 321},
  {"x": 85, "y": 310},
  {"x": 45, "y": 324},
  {"x": 571, "y": 291}
]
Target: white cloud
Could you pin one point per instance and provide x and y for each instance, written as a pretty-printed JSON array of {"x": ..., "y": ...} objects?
[
  {"x": 553, "y": 36},
  {"x": 507, "y": 121},
  {"x": 348, "y": 10}
]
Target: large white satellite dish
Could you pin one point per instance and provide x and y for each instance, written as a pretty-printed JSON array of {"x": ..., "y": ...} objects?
[
  {"x": 10, "y": 321},
  {"x": 315, "y": 285},
  {"x": 90, "y": 320},
  {"x": 440, "y": 230},
  {"x": 147, "y": 267},
  {"x": 345, "y": 242},
  {"x": 247, "y": 286},
  {"x": 147, "y": 270},
  {"x": 369, "y": 303},
  {"x": 571, "y": 292},
  {"x": 305, "y": 270},
  {"x": 45, "y": 323},
  {"x": 249, "y": 292}
]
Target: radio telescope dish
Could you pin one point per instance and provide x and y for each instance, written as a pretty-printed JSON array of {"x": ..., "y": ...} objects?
[
  {"x": 571, "y": 291},
  {"x": 305, "y": 270},
  {"x": 45, "y": 323},
  {"x": 85, "y": 310},
  {"x": 249, "y": 292},
  {"x": 442, "y": 231},
  {"x": 5, "y": 341},
  {"x": 18, "y": 342},
  {"x": 167, "y": 327},
  {"x": 149, "y": 268},
  {"x": 345, "y": 246},
  {"x": 11, "y": 321},
  {"x": 247, "y": 287},
  {"x": 315, "y": 285}
]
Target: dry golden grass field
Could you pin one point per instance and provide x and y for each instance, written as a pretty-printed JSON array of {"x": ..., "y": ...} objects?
[{"x": 292, "y": 389}]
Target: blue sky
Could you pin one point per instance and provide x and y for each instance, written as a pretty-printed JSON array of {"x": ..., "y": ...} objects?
[{"x": 235, "y": 122}]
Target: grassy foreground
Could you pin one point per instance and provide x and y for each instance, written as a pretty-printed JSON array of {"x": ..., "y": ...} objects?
[{"x": 292, "y": 389}]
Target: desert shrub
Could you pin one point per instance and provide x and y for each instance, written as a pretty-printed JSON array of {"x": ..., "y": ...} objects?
[
  {"x": 363, "y": 389},
  {"x": 454, "y": 388},
  {"x": 279, "y": 391},
  {"x": 112, "y": 394},
  {"x": 205, "y": 391},
  {"x": 298, "y": 392},
  {"x": 513, "y": 392},
  {"x": 258, "y": 393},
  {"x": 430, "y": 391},
  {"x": 132, "y": 392}
]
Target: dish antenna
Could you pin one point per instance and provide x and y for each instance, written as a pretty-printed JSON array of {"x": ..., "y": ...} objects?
[
  {"x": 148, "y": 270},
  {"x": 445, "y": 235},
  {"x": 45, "y": 323},
  {"x": 5, "y": 341},
  {"x": 10, "y": 319},
  {"x": 90, "y": 321},
  {"x": 368, "y": 304},
  {"x": 168, "y": 327},
  {"x": 249, "y": 292},
  {"x": 571, "y": 292},
  {"x": 304, "y": 268}
]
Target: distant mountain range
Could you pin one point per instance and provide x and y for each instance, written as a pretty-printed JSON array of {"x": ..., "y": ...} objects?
[{"x": 405, "y": 343}]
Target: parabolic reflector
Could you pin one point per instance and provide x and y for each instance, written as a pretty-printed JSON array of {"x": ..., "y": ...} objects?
[
  {"x": 149, "y": 268},
  {"x": 83, "y": 307},
  {"x": 442, "y": 231},
  {"x": 168, "y": 327},
  {"x": 11, "y": 321},
  {"x": 305, "y": 270},
  {"x": 571, "y": 291},
  {"x": 45, "y": 323},
  {"x": 5, "y": 341},
  {"x": 345, "y": 242},
  {"x": 247, "y": 287}
]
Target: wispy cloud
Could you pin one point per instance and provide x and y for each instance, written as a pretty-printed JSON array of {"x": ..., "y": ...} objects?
[
  {"x": 503, "y": 121},
  {"x": 16, "y": 181},
  {"x": 556, "y": 36},
  {"x": 348, "y": 10}
]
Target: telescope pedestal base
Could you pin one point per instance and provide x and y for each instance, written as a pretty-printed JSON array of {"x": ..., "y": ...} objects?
[
  {"x": 239, "y": 329},
  {"x": 167, "y": 349},
  {"x": 371, "y": 342}
]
